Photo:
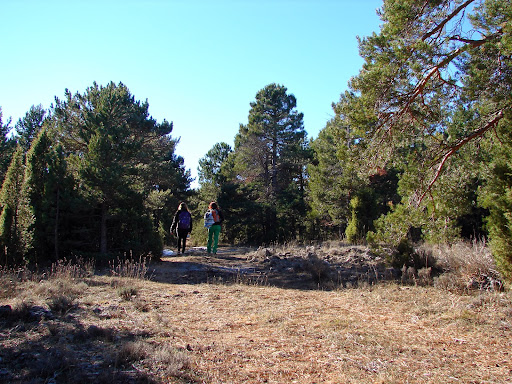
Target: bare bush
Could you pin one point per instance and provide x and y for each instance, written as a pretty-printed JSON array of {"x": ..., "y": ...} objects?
[
  {"x": 129, "y": 268},
  {"x": 319, "y": 269},
  {"x": 171, "y": 359},
  {"x": 466, "y": 266},
  {"x": 158, "y": 357},
  {"x": 126, "y": 293},
  {"x": 22, "y": 311},
  {"x": 8, "y": 283},
  {"x": 57, "y": 287},
  {"x": 61, "y": 304},
  {"x": 132, "y": 351},
  {"x": 142, "y": 305},
  {"x": 68, "y": 269}
]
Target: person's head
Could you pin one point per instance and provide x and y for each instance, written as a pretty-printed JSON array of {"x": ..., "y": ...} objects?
[
  {"x": 213, "y": 205},
  {"x": 182, "y": 207}
]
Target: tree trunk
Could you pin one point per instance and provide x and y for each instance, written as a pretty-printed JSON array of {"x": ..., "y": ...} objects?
[
  {"x": 103, "y": 237},
  {"x": 274, "y": 160},
  {"x": 56, "y": 230}
]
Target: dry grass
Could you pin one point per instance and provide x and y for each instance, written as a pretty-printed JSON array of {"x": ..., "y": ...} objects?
[
  {"x": 466, "y": 266},
  {"x": 245, "y": 333},
  {"x": 390, "y": 334},
  {"x": 129, "y": 268}
]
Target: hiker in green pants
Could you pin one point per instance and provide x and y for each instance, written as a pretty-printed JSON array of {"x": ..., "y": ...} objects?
[{"x": 214, "y": 229}]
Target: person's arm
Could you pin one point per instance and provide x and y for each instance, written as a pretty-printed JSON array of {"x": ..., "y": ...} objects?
[{"x": 174, "y": 222}]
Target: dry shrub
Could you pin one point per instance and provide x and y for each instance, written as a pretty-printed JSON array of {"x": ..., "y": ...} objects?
[
  {"x": 61, "y": 304},
  {"x": 59, "y": 287},
  {"x": 422, "y": 277},
  {"x": 61, "y": 278},
  {"x": 158, "y": 357},
  {"x": 319, "y": 269},
  {"x": 12, "y": 280},
  {"x": 425, "y": 276},
  {"x": 117, "y": 283},
  {"x": 173, "y": 360},
  {"x": 132, "y": 352},
  {"x": 8, "y": 283},
  {"x": 95, "y": 332},
  {"x": 67, "y": 269},
  {"x": 79, "y": 334},
  {"x": 466, "y": 266},
  {"x": 129, "y": 268},
  {"x": 493, "y": 301},
  {"x": 126, "y": 293},
  {"x": 260, "y": 280},
  {"x": 22, "y": 311},
  {"x": 52, "y": 363},
  {"x": 142, "y": 305}
]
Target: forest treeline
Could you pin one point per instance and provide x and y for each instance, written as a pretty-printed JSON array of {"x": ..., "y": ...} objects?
[
  {"x": 419, "y": 149},
  {"x": 94, "y": 177}
]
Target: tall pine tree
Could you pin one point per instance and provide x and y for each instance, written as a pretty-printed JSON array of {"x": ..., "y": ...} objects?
[
  {"x": 270, "y": 155},
  {"x": 115, "y": 149},
  {"x": 7, "y": 147},
  {"x": 11, "y": 245}
]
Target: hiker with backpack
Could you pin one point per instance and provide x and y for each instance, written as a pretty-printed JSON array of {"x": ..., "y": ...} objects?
[
  {"x": 182, "y": 224},
  {"x": 213, "y": 219}
]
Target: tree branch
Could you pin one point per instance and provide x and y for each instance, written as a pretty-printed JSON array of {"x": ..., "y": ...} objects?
[
  {"x": 478, "y": 133},
  {"x": 445, "y": 21},
  {"x": 418, "y": 89},
  {"x": 464, "y": 40}
]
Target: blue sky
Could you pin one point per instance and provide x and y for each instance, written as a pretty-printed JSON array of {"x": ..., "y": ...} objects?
[{"x": 198, "y": 63}]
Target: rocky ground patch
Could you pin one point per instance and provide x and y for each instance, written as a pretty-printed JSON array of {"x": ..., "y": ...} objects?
[{"x": 292, "y": 267}]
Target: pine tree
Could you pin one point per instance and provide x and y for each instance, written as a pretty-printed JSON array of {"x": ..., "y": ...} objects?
[
  {"x": 42, "y": 193},
  {"x": 270, "y": 158},
  {"x": 427, "y": 62},
  {"x": 265, "y": 146},
  {"x": 332, "y": 177},
  {"x": 10, "y": 198},
  {"x": 119, "y": 155},
  {"x": 434, "y": 87},
  {"x": 28, "y": 127},
  {"x": 7, "y": 147},
  {"x": 209, "y": 170}
]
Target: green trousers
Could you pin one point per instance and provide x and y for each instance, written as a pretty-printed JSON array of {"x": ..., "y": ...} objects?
[{"x": 213, "y": 238}]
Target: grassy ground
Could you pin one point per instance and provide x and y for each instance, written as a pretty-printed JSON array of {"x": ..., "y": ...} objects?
[{"x": 81, "y": 327}]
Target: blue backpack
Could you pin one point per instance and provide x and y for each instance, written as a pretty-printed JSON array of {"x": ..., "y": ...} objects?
[{"x": 184, "y": 220}]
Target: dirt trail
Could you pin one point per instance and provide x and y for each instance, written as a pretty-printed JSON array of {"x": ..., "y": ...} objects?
[
  {"x": 307, "y": 268},
  {"x": 197, "y": 267}
]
